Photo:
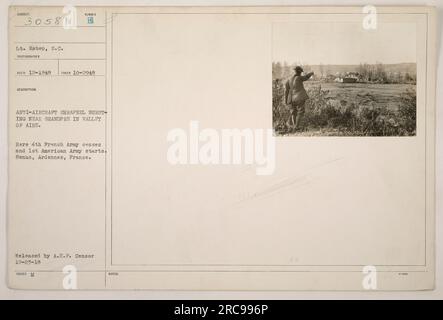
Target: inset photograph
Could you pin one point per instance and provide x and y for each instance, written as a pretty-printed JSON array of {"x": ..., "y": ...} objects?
[{"x": 339, "y": 79}]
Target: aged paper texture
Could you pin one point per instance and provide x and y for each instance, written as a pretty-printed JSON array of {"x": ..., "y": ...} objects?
[{"x": 222, "y": 148}]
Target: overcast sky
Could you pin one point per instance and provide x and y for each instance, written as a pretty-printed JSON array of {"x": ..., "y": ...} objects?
[{"x": 343, "y": 43}]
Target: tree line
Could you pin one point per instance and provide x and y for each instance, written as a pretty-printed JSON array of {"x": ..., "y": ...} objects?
[{"x": 364, "y": 72}]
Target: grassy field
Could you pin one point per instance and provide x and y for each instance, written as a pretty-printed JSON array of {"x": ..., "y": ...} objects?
[
  {"x": 351, "y": 109},
  {"x": 384, "y": 95}
]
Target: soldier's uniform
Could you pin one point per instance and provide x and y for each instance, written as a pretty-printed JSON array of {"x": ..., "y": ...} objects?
[{"x": 296, "y": 96}]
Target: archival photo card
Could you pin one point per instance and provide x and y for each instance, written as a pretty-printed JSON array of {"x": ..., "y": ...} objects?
[{"x": 221, "y": 148}]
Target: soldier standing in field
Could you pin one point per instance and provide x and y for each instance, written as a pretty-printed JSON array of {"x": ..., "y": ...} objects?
[{"x": 296, "y": 96}]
